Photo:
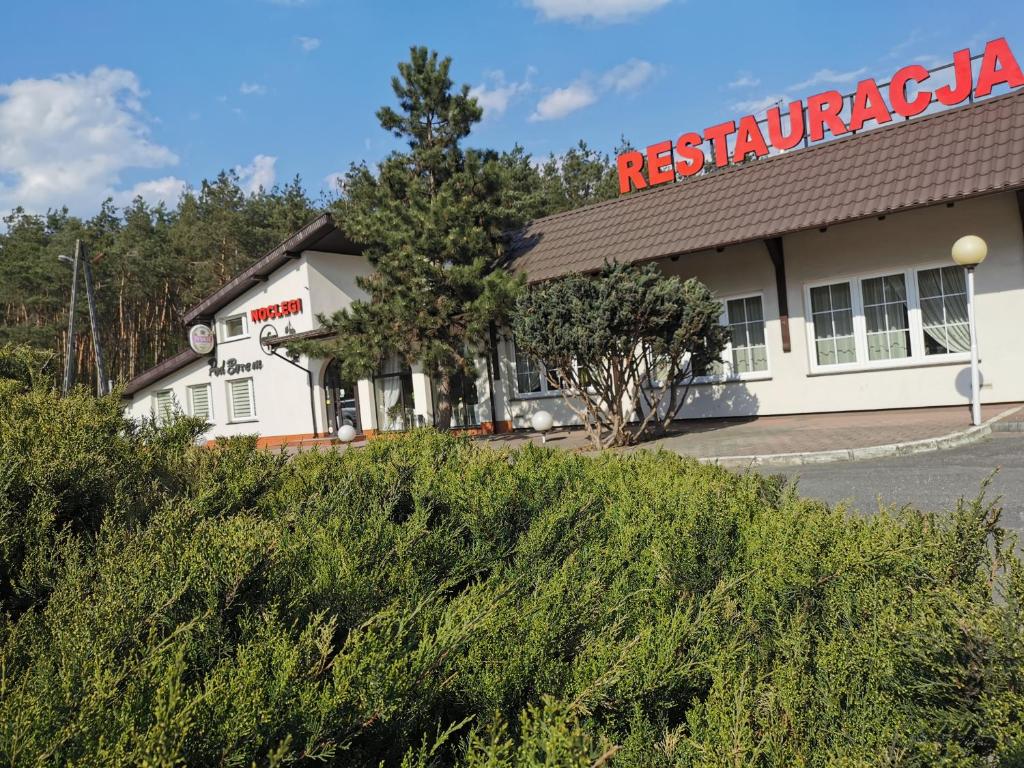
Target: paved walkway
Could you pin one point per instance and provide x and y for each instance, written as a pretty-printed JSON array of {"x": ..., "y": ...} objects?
[{"x": 773, "y": 435}]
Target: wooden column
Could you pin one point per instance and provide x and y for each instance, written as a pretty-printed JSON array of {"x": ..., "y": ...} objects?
[{"x": 774, "y": 245}]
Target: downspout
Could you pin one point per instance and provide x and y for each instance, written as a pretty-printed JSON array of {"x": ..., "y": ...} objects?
[{"x": 492, "y": 361}]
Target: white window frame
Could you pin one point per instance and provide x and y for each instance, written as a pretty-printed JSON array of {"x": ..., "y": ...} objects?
[
  {"x": 209, "y": 394},
  {"x": 957, "y": 357},
  {"x": 231, "y": 406},
  {"x": 726, "y": 355},
  {"x": 158, "y": 417},
  {"x": 223, "y": 328},
  {"x": 917, "y": 358},
  {"x": 546, "y": 390}
]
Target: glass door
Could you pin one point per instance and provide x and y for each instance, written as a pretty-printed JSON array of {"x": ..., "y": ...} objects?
[{"x": 342, "y": 401}]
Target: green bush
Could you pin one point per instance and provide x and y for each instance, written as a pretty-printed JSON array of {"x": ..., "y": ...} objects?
[{"x": 424, "y": 602}]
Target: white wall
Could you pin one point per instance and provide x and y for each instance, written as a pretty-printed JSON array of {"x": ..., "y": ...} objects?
[
  {"x": 327, "y": 282},
  {"x": 915, "y": 238},
  {"x": 281, "y": 390}
]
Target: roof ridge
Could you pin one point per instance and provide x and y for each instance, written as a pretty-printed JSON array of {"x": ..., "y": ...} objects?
[{"x": 749, "y": 164}]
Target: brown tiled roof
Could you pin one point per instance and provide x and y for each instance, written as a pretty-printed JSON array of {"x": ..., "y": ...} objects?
[
  {"x": 157, "y": 372},
  {"x": 951, "y": 155}
]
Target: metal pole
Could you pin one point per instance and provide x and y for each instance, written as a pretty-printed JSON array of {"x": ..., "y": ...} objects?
[
  {"x": 94, "y": 325},
  {"x": 69, "y": 363},
  {"x": 975, "y": 373}
]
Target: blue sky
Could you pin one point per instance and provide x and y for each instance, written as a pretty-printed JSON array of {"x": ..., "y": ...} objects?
[{"x": 117, "y": 97}]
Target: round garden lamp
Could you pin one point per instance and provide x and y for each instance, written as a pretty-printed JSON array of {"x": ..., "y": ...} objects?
[
  {"x": 969, "y": 251},
  {"x": 542, "y": 422},
  {"x": 346, "y": 433}
]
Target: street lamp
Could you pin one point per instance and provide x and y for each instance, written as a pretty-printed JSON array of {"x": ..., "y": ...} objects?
[
  {"x": 542, "y": 421},
  {"x": 97, "y": 349},
  {"x": 969, "y": 251},
  {"x": 69, "y": 360}
]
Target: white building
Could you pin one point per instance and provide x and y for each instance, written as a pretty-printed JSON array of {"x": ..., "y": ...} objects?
[{"x": 832, "y": 262}]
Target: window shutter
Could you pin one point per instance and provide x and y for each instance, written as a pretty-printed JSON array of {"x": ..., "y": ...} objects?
[
  {"x": 164, "y": 406},
  {"x": 201, "y": 401},
  {"x": 240, "y": 393}
]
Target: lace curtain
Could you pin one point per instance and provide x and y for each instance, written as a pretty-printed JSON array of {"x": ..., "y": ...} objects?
[{"x": 944, "y": 310}]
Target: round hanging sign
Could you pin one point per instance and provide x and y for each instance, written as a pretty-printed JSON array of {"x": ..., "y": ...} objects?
[
  {"x": 267, "y": 335},
  {"x": 201, "y": 339}
]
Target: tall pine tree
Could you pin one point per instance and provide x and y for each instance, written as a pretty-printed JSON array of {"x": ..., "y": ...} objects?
[{"x": 431, "y": 221}]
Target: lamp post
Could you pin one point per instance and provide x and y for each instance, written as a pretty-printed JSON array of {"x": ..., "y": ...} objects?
[
  {"x": 69, "y": 361},
  {"x": 969, "y": 251},
  {"x": 94, "y": 324}
]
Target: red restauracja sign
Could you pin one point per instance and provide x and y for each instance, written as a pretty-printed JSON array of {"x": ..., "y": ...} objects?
[
  {"x": 272, "y": 311},
  {"x": 666, "y": 162}
]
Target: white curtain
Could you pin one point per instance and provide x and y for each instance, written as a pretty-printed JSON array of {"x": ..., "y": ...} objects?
[
  {"x": 390, "y": 415},
  {"x": 944, "y": 308}
]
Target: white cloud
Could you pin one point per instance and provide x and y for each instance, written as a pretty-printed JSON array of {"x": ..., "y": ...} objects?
[
  {"x": 67, "y": 139},
  {"x": 564, "y": 101},
  {"x": 745, "y": 81},
  {"x": 583, "y": 92},
  {"x": 332, "y": 181},
  {"x": 628, "y": 76},
  {"x": 166, "y": 190},
  {"x": 252, "y": 89},
  {"x": 596, "y": 10},
  {"x": 755, "y": 106},
  {"x": 496, "y": 95},
  {"x": 308, "y": 44},
  {"x": 829, "y": 77},
  {"x": 261, "y": 172}
]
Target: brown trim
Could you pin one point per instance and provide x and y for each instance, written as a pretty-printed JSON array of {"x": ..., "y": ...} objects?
[
  {"x": 316, "y": 333},
  {"x": 157, "y": 372},
  {"x": 309, "y": 439},
  {"x": 778, "y": 256},
  {"x": 305, "y": 238}
]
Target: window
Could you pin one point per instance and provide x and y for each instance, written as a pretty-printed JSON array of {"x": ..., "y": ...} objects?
[
  {"x": 746, "y": 351},
  {"x": 919, "y": 315},
  {"x": 465, "y": 401},
  {"x": 943, "y": 294},
  {"x": 241, "y": 401},
  {"x": 832, "y": 317},
  {"x": 163, "y": 410},
  {"x": 534, "y": 378},
  {"x": 235, "y": 327},
  {"x": 199, "y": 401},
  {"x": 530, "y": 377},
  {"x": 393, "y": 398},
  {"x": 886, "y": 320}
]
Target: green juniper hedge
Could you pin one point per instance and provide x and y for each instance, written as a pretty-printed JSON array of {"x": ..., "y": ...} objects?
[{"x": 425, "y": 602}]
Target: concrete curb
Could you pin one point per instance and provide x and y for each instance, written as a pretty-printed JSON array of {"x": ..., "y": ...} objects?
[{"x": 927, "y": 445}]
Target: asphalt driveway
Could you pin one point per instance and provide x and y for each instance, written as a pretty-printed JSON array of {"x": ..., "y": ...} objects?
[{"x": 929, "y": 481}]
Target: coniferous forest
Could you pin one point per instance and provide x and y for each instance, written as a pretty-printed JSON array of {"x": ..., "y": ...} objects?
[{"x": 152, "y": 262}]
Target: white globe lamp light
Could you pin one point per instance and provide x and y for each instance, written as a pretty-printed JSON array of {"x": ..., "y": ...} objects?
[
  {"x": 542, "y": 422},
  {"x": 969, "y": 251},
  {"x": 346, "y": 433}
]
